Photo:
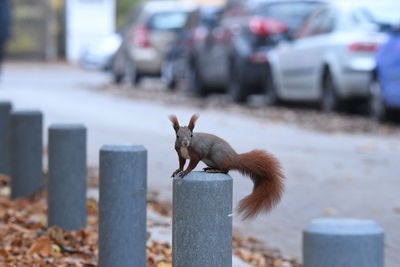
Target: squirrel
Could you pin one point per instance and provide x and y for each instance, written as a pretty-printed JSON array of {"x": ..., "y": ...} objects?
[{"x": 262, "y": 168}]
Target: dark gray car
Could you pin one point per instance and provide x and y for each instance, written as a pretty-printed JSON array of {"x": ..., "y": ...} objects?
[{"x": 233, "y": 58}]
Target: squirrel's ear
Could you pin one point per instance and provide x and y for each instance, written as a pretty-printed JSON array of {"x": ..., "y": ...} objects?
[
  {"x": 192, "y": 121},
  {"x": 175, "y": 122}
]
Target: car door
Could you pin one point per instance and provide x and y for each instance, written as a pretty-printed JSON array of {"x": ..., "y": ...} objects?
[
  {"x": 216, "y": 67},
  {"x": 300, "y": 59},
  {"x": 209, "y": 66},
  {"x": 220, "y": 46},
  {"x": 163, "y": 28}
]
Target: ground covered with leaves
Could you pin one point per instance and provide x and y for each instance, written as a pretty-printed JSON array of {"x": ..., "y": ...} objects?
[{"x": 25, "y": 239}]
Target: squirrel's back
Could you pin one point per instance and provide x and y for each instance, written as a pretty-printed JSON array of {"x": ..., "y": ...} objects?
[{"x": 212, "y": 148}]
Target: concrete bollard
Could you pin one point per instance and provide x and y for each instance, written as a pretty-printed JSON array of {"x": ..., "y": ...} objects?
[
  {"x": 26, "y": 153},
  {"x": 123, "y": 185},
  {"x": 343, "y": 242},
  {"x": 202, "y": 220},
  {"x": 67, "y": 176},
  {"x": 5, "y": 109}
]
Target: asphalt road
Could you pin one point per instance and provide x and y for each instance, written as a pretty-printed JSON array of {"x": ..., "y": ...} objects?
[{"x": 328, "y": 175}]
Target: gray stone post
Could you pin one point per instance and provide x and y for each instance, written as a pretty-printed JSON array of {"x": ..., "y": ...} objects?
[
  {"x": 26, "y": 153},
  {"x": 123, "y": 185},
  {"x": 343, "y": 242},
  {"x": 67, "y": 176},
  {"x": 202, "y": 220},
  {"x": 5, "y": 109}
]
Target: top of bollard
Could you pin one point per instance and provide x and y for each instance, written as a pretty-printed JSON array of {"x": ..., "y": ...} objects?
[
  {"x": 343, "y": 226},
  {"x": 122, "y": 148},
  {"x": 26, "y": 113},
  {"x": 5, "y": 103},
  {"x": 67, "y": 126},
  {"x": 199, "y": 176}
]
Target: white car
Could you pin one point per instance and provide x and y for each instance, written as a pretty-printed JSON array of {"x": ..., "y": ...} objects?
[
  {"x": 331, "y": 55},
  {"x": 99, "y": 55}
]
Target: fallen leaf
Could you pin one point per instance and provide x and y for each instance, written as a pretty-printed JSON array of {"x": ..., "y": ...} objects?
[
  {"x": 164, "y": 264},
  {"x": 3, "y": 252},
  {"x": 42, "y": 246},
  {"x": 329, "y": 211},
  {"x": 5, "y": 191}
]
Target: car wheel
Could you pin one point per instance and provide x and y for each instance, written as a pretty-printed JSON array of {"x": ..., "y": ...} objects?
[
  {"x": 132, "y": 73},
  {"x": 167, "y": 75},
  {"x": 195, "y": 84},
  {"x": 236, "y": 89},
  {"x": 269, "y": 88},
  {"x": 377, "y": 109},
  {"x": 329, "y": 99},
  {"x": 117, "y": 77}
]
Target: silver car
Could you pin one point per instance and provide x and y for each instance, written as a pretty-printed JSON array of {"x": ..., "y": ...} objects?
[
  {"x": 330, "y": 56},
  {"x": 148, "y": 38}
]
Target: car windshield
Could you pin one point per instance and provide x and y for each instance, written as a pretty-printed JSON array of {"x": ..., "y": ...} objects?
[
  {"x": 380, "y": 13},
  {"x": 168, "y": 21},
  {"x": 291, "y": 13}
]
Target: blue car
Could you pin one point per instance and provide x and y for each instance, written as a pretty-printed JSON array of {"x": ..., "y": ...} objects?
[{"x": 385, "y": 82}]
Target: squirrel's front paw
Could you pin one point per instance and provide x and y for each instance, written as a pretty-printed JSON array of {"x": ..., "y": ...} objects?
[
  {"x": 176, "y": 172},
  {"x": 183, "y": 174}
]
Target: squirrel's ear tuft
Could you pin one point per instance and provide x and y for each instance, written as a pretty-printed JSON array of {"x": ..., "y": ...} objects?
[
  {"x": 175, "y": 122},
  {"x": 192, "y": 121}
]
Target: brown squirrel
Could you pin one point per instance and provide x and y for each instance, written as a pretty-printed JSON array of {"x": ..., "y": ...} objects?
[{"x": 263, "y": 168}]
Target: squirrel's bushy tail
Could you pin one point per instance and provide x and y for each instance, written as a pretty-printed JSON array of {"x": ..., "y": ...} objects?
[{"x": 265, "y": 171}]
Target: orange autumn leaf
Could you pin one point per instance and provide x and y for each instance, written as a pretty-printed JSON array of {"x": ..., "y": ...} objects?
[
  {"x": 164, "y": 264},
  {"x": 3, "y": 252},
  {"x": 42, "y": 246}
]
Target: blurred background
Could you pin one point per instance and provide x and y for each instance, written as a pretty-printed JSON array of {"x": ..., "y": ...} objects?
[
  {"x": 324, "y": 53},
  {"x": 315, "y": 82}
]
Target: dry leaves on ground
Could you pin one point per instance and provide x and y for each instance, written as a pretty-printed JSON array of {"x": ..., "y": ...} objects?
[{"x": 26, "y": 241}]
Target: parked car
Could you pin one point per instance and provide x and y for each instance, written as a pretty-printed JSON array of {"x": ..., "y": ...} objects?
[
  {"x": 385, "y": 82},
  {"x": 232, "y": 57},
  {"x": 330, "y": 57},
  {"x": 100, "y": 55},
  {"x": 182, "y": 52},
  {"x": 148, "y": 38}
]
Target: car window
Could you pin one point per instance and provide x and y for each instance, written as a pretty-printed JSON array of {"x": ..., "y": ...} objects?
[
  {"x": 378, "y": 13},
  {"x": 290, "y": 13},
  {"x": 167, "y": 21},
  {"x": 319, "y": 22}
]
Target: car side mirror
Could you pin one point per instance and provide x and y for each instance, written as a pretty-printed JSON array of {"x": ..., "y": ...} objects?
[{"x": 289, "y": 35}]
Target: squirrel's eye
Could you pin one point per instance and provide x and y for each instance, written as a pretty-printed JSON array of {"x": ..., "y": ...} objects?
[
  {"x": 191, "y": 135},
  {"x": 177, "y": 136}
]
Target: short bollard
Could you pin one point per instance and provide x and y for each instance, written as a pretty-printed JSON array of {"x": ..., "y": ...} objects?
[
  {"x": 202, "y": 220},
  {"x": 123, "y": 185},
  {"x": 26, "y": 153},
  {"x": 67, "y": 176},
  {"x": 5, "y": 109},
  {"x": 343, "y": 242}
]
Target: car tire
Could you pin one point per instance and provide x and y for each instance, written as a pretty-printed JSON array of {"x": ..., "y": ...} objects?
[
  {"x": 117, "y": 77},
  {"x": 377, "y": 108},
  {"x": 269, "y": 88},
  {"x": 236, "y": 89},
  {"x": 132, "y": 73},
  {"x": 195, "y": 83},
  {"x": 167, "y": 75},
  {"x": 329, "y": 100}
]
